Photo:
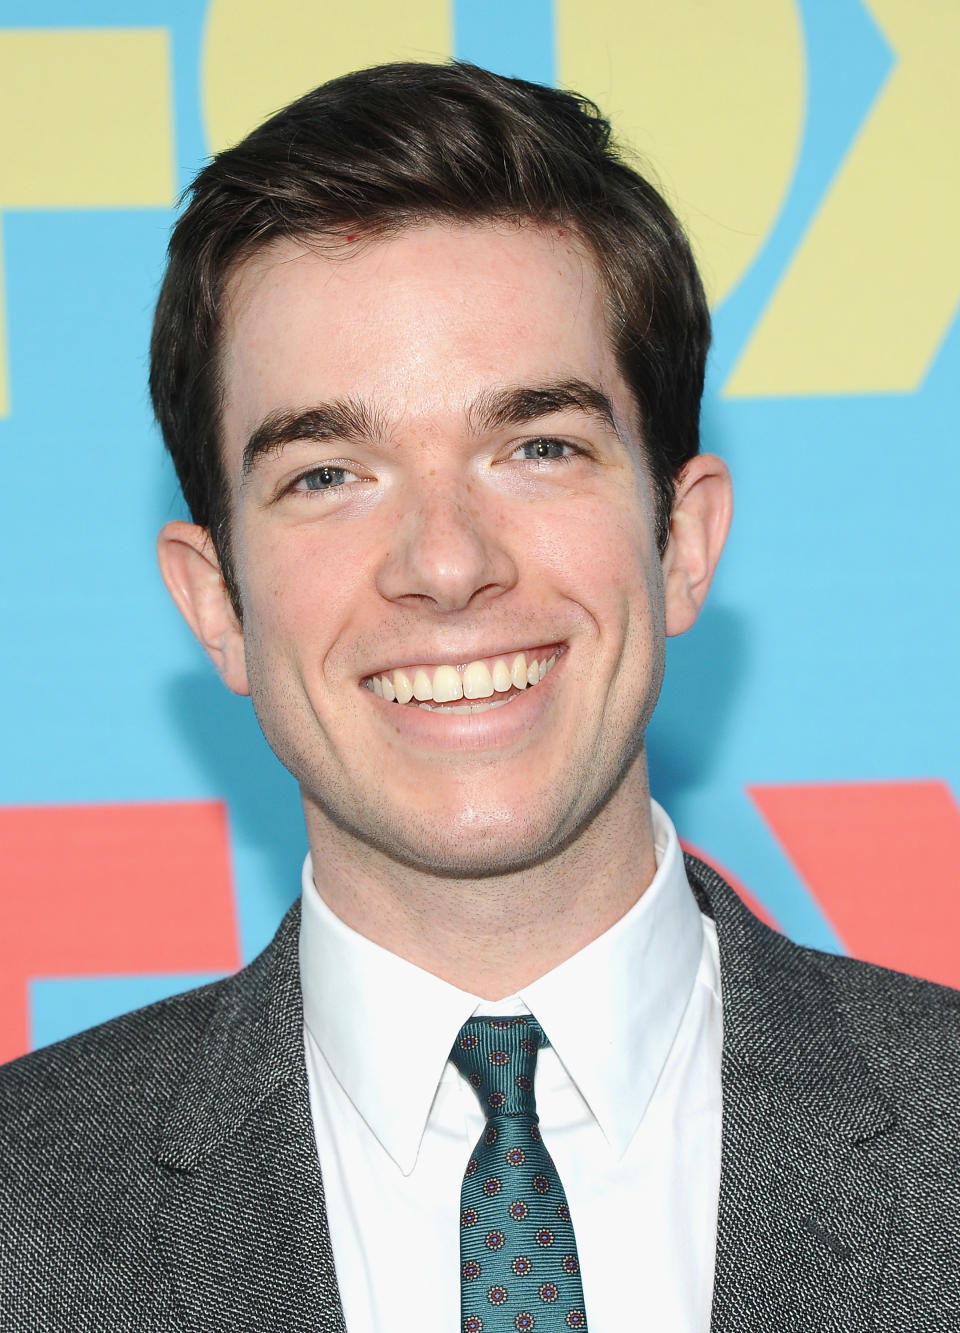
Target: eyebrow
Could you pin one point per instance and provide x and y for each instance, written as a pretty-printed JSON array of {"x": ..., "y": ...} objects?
[
  {"x": 351, "y": 420},
  {"x": 519, "y": 405},
  {"x": 346, "y": 419}
]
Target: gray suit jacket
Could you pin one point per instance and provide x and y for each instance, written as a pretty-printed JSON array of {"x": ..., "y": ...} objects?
[{"x": 159, "y": 1173}]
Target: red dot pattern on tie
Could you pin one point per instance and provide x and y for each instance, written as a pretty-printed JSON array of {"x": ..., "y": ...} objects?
[{"x": 519, "y": 1271}]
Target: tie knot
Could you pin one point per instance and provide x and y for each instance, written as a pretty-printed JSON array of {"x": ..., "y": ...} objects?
[{"x": 498, "y": 1057}]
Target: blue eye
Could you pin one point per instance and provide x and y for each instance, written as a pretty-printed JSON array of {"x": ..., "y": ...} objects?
[
  {"x": 330, "y": 478},
  {"x": 547, "y": 450},
  {"x": 543, "y": 449},
  {"x": 325, "y": 478}
]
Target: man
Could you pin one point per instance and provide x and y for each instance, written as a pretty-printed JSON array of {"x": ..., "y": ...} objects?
[{"x": 428, "y": 357}]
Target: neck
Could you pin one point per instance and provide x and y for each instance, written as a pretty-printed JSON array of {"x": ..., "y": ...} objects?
[{"x": 454, "y": 928}]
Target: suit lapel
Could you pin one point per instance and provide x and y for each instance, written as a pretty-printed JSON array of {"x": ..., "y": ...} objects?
[
  {"x": 242, "y": 1228},
  {"x": 806, "y": 1185}
]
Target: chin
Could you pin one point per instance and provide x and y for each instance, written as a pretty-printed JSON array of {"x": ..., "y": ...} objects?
[
  {"x": 481, "y": 858},
  {"x": 468, "y": 843}
]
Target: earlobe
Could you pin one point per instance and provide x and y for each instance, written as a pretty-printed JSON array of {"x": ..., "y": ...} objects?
[
  {"x": 191, "y": 571},
  {"x": 702, "y": 510}
]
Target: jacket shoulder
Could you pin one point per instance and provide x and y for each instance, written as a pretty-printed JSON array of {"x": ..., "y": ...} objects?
[
  {"x": 106, "y": 1082},
  {"x": 908, "y": 1029},
  {"x": 115, "y": 1079},
  {"x": 83, "y": 1124},
  {"x": 78, "y": 1128},
  {"x": 871, "y": 984}
]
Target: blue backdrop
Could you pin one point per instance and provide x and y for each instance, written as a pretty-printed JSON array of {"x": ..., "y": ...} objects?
[{"x": 828, "y": 656}]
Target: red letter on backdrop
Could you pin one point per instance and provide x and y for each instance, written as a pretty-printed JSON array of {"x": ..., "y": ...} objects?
[
  {"x": 883, "y": 861},
  {"x": 756, "y": 907},
  {"x": 106, "y": 890}
]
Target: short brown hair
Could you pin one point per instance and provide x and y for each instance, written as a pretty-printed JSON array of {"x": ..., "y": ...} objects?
[{"x": 398, "y": 145}]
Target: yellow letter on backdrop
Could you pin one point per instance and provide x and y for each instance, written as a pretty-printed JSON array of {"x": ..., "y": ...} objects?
[
  {"x": 872, "y": 289},
  {"x": 712, "y": 95},
  {"x": 87, "y": 124},
  {"x": 260, "y": 56}
]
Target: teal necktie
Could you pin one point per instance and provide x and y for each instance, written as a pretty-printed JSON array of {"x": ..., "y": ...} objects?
[{"x": 519, "y": 1269}]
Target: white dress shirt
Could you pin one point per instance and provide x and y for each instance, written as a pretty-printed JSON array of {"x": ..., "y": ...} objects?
[{"x": 628, "y": 1094}]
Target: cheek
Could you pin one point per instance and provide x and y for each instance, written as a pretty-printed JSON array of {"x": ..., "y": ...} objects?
[
  {"x": 298, "y": 588},
  {"x": 600, "y": 553}
]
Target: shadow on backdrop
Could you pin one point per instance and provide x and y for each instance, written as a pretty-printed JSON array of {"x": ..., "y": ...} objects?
[
  {"x": 221, "y": 732},
  {"x": 704, "y": 671},
  {"x": 700, "y": 691}
]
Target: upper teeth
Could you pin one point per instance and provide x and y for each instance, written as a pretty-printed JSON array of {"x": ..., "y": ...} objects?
[{"x": 476, "y": 680}]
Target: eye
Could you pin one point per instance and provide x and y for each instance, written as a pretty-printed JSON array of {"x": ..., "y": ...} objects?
[
  {"x": 330, "y": 477},
  {"x": 547, "y": 450}
]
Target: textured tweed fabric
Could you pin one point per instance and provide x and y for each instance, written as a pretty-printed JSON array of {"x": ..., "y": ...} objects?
[
  {"x": 519, "y": 1268},
  {"x": 159, "y": 1173}
]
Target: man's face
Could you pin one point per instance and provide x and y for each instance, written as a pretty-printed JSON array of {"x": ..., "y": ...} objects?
[{"x": 443, "y": 468}]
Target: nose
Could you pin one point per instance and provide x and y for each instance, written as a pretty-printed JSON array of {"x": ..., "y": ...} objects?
[{"x": 446, "y": 552}]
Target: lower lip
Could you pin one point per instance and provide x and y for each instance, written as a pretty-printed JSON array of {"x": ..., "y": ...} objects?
[{"x": 493, "y": 727}]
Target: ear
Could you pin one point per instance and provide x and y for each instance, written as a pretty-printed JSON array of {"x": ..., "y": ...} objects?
[
  {"x": 191, "y": 571},
  {"x": 702, "y": 510}
]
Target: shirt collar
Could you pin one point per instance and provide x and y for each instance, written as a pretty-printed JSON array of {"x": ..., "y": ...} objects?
[
  {"x": 381, "y": 1022},
  {"x": 611, "y": 1011}
]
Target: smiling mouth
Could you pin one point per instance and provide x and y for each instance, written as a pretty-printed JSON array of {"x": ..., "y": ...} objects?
[{"x": 486, "y": 683}]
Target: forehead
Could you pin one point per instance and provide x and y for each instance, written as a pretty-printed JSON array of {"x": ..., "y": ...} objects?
[{"x": 417, "y": 323}]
